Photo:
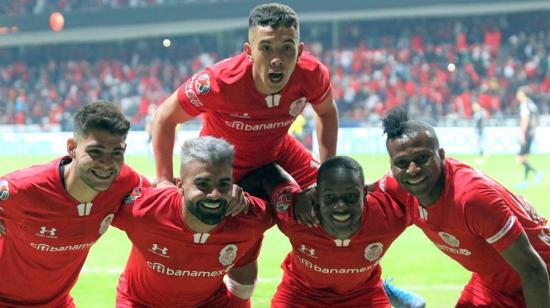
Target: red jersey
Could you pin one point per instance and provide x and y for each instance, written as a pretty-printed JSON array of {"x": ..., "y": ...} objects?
[
  {"x": 321, "y": 266},
  {"x": 171, "y": 265},
  {"x": 234, "y": 110},
  {"x": 49, "y": 233},
  {"x": 474, "y": 219}
]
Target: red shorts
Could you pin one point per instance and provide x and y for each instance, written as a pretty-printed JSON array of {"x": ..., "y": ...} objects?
[
  {"x": 291, "y": 155},
  {"x": 476, "y": 294},
  {"x": 287, "y": 297}
]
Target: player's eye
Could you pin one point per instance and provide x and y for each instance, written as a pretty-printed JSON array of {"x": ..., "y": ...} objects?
[
  {"x": 265, "y": 48},
  {"x": 329, "y": 198},
  {"x": 225, "y": 186},
  {"x": 351, "y": 197},
  {"x": 94, "y": 152},
  {"x": 401, "y": 164},
  {"x": 422, "y": 159}
]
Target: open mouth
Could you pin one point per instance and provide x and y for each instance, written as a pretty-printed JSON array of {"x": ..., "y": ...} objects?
[
  {"x": 212, "y": 205},
  {"x": 341, "y": 217},
  {"x": 103, "y": 175},
  {"x": 275, "y": 77}
]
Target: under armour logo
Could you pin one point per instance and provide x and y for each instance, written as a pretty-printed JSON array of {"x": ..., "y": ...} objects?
[
  {"x": 161, "y": 251},
  {"x": 45, "y": 232},
  {"x": 308, "y": 251}
]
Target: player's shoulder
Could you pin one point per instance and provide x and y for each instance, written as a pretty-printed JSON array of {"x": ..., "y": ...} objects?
[
  {"x": 379, "y": 206},
  {"x": 31, "y": 177},
  {"x": 229, "y": 71},
  {"x": 151, "y": 201},
  {"x": 309, "y": 63}
]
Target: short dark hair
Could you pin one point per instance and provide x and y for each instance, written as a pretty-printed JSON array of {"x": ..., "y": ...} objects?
[
  {"x": 101, "y": 115},
  {"x": 274, "y": 15},
  {"x": 397, "y": 124},
  {"x": 340, "y": 162}
]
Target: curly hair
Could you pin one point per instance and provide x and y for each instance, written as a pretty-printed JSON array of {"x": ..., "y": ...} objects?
[{"x": 397, "y": 124}]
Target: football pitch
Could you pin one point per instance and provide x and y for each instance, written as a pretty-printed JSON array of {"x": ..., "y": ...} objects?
[{"x": 412, "y": 260}]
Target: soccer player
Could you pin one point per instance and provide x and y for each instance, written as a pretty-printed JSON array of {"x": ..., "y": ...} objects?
[
  {"x": 186, "y": 252},
  {"x": 337, "y": 262},
  {"x": 527, "y": 124},
  {"x": 470, "y": 217},
  {"x": 252, "y": 99},
  {"x": 55, "y": 212}
]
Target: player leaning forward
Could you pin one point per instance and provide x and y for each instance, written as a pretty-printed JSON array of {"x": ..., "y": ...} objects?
[
  {"x": 470, "y": 217},
  {"x": 54, "y": 212},
  {"x": 184, "y": 246}
]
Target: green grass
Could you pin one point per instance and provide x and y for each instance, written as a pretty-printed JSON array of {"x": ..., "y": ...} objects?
[{"x": 414, "y": 262}]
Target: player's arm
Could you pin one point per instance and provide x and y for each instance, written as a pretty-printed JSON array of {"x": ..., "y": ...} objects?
[
  {"x": 167, "y": 117},
  {"x": 240, "y": 283},
  {"x": 532, "y": 271},
  {"x": 326, "y": 125}
]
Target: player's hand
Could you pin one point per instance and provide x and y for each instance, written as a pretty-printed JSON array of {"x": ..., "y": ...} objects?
[
  {"x": 165, "y": 183},
  {"x": 2, "y": 228},
  {"x": 239, "y": 203},
  {"x": 305, "y": 208}
]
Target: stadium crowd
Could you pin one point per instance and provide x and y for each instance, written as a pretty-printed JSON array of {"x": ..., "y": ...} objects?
[{"x": 436, "y": 67}]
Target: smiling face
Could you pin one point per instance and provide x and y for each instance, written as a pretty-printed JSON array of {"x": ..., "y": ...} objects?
[
  {"x": 97, "y": 158},
  {"x": 274, "y": 53},
  {"x": 206, "y": 190},
  {"x": 340, "y": 196},
  {"x": 417, "y": 165}
]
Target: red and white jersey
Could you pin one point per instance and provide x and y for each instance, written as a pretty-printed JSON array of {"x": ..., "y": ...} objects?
[
  {"x": 49, "y": 233},
  {"x": 474, "y": 219},
  {"x": 320, "y": 265},
  {"x": 253, "y": 122},
  {"x": 171, "y": 265}
]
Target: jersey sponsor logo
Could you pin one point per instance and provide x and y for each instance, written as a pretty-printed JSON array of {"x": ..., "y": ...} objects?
[
  {"x": 374, "y": 251},
  {"x": 47, "y": 232},
  {"x": 133, "y": 196},
  {"x": 168, "y": 271},
  {"x": 327, "y": 270},
  {"x": 4, "y": 190},
  {"x": 48, "y": 248},
  {"x": 200, "y": 238},
  {"x": 273, "y": 100},
  {"x": 228, "y": 254},
  {"x": 159, "y": 251},
  {"x": 449, "y": 239},
  {"x": 84, "y": 209},
  {"x": 297, "y": 106},
  {"x": 307, "y": 251},
  {"x": 458, "y": 251},
  {"x": 342, "y": 243},
  {"x": 105, "y": 223},
  {"x": 239, "y": 125},
  {"x": 202, "y": 84}
]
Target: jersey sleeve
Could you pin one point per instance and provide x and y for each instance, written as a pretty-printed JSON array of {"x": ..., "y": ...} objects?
[
  {"x": 251, "y": 254},
  {"x": 282, "y": 199},
  {"x": 489, "y": 216},
  {"x": 199, "y": 93},
  {"x": 124, "y": 219},
  {"x": 318, "y": 82}
]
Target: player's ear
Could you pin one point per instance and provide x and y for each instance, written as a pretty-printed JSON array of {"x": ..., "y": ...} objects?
[
  {"x": 71, "y": 147},
  {"x": 300, "y": 49},
  {"x": 248, "y": 49},
  {"x": 441, "y": 153}
]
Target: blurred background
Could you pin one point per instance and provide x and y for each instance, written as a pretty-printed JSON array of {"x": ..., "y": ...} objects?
[{"x": 454, "y": 63}]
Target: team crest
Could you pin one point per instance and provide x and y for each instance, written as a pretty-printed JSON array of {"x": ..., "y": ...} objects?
[
  {"x": 374, "y": 251},
  {"x": 297, "y": 106},
  {"x": 202, "y": 84},
  {"x": 449, "y": 239},
  {"x": 4, "y": 190},
  {"x": 283, "y": 200},
  {"x": 133, "y": 196},
  {"x": 105, "y": 223},
  {"x": 228, "y": 254}
]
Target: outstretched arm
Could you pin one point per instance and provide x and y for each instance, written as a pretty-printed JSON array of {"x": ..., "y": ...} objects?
[
  {"x": 532, "y": 271},
  {"x": 326, "y": 125},
  {"x": 167, "y": 117}
]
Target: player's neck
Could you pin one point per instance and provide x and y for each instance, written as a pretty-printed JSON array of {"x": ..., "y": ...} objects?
[
  {"x": 75, "y": 187},
  {"x": 194, "y": 223}
]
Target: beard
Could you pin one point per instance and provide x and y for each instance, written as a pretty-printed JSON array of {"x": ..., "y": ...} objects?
[{"x": 206, "y": 215}]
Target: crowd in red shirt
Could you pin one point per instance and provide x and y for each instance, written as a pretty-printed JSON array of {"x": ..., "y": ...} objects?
[{"x": 436, "y": 67}]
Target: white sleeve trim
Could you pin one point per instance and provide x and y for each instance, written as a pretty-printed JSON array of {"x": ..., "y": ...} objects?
[{"x": 500, "y": 234}]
